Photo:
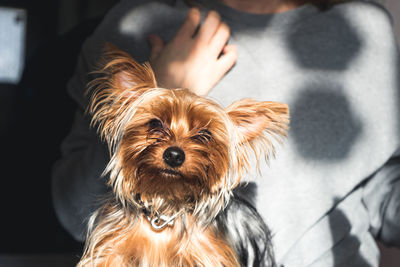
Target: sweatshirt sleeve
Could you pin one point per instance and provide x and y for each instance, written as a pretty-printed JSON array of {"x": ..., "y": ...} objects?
[
  {"x": 382, "y": 199},
  {"x": 78, "y": 185},
  {"x": 77, "y": 182}
]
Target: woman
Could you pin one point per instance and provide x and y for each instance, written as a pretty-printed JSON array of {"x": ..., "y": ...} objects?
[{"x": 334, "y": 185}]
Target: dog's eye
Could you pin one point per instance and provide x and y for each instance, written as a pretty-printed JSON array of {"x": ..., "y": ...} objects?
[
  {"x": 155, "y": 124},
  {"x": 203, "y": 136}
]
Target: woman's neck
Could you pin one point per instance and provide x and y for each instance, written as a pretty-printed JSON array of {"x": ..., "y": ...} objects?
[{"x": 263, "y": 6}]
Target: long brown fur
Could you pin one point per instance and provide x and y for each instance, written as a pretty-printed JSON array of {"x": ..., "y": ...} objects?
[
  {"x": 216, "y": 142},
  {"x": 135, "y": 243}
]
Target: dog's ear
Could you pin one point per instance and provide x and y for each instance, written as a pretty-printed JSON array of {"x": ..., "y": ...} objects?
[
  {"x": 119, "y": 83},
  {"x": 125, "y": 72},
  {"x": 260, "y": 122}
]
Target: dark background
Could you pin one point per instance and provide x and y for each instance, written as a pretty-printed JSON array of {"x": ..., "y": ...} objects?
[{"x": 35, "y": 115}]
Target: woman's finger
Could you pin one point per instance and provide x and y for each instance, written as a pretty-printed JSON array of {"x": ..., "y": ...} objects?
[
  {"x": 227, "y": 59},
  {"x": 156, "y": 45},
  {"x": 219, "y": 40},
  {"x": 189, "y": 26},
  {"x": 209, "y": 27}
]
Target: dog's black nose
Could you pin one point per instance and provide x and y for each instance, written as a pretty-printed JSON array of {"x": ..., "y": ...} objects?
[{"x": 174, "y": 156}]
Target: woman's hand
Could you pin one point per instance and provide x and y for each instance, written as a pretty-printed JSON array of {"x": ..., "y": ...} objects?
[{"x": 195, "y": 58}]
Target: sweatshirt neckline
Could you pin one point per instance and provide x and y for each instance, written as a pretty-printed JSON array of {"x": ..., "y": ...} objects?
[{"x": 272, "y": 20}]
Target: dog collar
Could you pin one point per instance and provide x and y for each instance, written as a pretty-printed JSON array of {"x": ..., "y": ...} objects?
[
  {"x": 160, "y": 221},
  {"x": 157, "y": 221}
]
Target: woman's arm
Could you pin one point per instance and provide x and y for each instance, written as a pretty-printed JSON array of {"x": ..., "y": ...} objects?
[
  {"x": 382, "y": 199},
  {"x": 78, "y": 185}
]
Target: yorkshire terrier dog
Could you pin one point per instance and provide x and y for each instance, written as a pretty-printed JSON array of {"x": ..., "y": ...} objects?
[{"x": 175, "y": 159}]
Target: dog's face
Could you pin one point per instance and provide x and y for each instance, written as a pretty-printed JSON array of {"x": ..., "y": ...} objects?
[
  {"x": 176, "y": 146},
  {"x": 172, "y": 145}
]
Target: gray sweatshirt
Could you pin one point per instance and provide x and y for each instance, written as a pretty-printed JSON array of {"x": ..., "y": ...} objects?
[{"x": 334, "y": 186}]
